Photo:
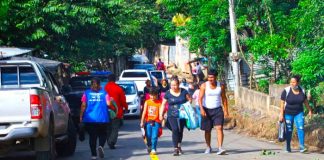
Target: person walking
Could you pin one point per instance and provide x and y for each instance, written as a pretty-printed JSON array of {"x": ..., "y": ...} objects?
[
  {"x": 152, "y": 121},
  {"x": 292, "y": 111},
  {"x": 199, "y": 72},
  {"x": 175, "y": 97},
  {"x": 160, "y": 65},
  {"x": 211, "y": 97},
  {"x": 94, "y": 115},
  {"x": 118, "y": 95}
]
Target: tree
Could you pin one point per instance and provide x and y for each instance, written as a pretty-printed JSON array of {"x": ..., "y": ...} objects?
[{"x": 81, "y": 30}]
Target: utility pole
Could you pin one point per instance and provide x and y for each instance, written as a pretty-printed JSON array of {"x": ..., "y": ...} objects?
[{"x": 234, "y": 56}]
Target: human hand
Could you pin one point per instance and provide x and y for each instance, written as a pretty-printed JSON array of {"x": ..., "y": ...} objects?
[
  {"x": 203, "y": 113},
  {"x": 142, "y": 124},
  {"x": 226, "y": 114},
  {"x": 281, "y": 118}
]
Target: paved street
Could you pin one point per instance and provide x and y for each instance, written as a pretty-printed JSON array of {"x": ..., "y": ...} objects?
[{"x": 130, "y": 146}]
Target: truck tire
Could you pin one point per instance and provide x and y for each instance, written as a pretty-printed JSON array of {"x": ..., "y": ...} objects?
[
  {"x": 67, "y": 148},
  {"x": 51, "y": 153}
]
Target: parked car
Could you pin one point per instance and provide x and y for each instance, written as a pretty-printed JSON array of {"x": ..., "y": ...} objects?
[
  {"x": 139, "y": 76},
  {"x": 33, "y": 112},
  {"x": 159, "y": 75},
  {"x": 132, "y": 97},
  {"x": 148, "y": 67}
]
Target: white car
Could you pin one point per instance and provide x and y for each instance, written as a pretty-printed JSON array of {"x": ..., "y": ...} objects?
[
  {"x": 132, "y": 98},
  {"x": 139, "y": 76}
]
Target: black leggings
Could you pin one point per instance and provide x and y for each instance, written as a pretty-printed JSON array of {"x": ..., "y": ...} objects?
[
  {"x": 177, "y": 126},
  {"x": 96, "y": 130}
]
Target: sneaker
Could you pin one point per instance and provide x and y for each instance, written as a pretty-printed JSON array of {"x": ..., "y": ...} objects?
[
  {"x": 101, "y": 152},
  {"x": 208, "y": 150},
  {"x": 180, "y": 150},
  {"x": 153, "y": 152},
  {"x": 176, "y": 152},
  {"x": 149, "y": 149},
  {"x": 303, "y": 150},
  {"x": 221, "y": 151},
  {"x": 93, "y": 157}
]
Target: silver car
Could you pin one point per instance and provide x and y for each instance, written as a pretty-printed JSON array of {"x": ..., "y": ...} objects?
[{"x": 132, "y": 98}]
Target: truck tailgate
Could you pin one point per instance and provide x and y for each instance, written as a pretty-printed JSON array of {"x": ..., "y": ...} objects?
[{"x": 14, "y": 105}]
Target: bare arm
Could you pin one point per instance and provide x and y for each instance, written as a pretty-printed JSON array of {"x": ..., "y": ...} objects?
[
  {"x": 282, "y": 109},
  {"x": 224, "y": 100},
  {"x": 310, "y": 112},
  {"x": 83, "y": 107},
  {"x": 143, "y": 115},
  {"x": 200, "y": 99},
  {"x": 162, "y": 109}
]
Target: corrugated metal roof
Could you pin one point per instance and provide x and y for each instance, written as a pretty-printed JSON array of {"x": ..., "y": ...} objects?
[{"x": 6, "y": 52}]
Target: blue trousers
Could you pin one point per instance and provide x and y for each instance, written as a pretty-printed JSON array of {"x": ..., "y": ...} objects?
[
  {"x": 299, "y": 120},
  {"x": 152, "y": 131}
]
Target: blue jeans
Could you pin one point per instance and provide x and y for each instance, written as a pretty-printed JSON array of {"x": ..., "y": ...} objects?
[
  {"x": 299, "y": 120},
  {"x": 152, "y": 131}
]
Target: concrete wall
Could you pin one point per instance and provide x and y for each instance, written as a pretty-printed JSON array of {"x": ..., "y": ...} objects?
[{"x": 261, "y": 102}]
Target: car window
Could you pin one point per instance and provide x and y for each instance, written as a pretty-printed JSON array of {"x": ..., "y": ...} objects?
[
  {"x": 128, "y": 88},
  {"x": 134, "y": 74},
  {"x": 27, "y": 75},
  {"x": 80, "y": 83}
]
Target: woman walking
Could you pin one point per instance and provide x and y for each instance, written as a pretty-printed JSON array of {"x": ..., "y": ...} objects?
[
  {"x": 94, "y": 115},
  {"x": 292, "y": 111},
  {"x": 175, "y": 97}
]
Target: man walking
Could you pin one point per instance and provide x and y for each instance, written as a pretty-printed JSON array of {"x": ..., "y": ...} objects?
[
  {"x": 211, "y": 96},
  {"x": 118, "y": 95}
]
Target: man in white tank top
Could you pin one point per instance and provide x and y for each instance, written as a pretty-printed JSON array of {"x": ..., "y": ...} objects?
[{"x": 213, "y": 109}]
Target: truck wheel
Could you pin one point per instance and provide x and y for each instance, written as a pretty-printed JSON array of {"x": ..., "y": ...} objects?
[
  {"x": 51, "y": 153},
  {"x": 67, "y": 148}
]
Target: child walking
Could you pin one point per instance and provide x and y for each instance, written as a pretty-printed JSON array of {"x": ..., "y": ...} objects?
[{"x": 150, "y": 119}]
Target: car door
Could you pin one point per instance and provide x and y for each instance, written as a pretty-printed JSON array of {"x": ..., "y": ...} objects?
[{"x": 60, "y": 106}]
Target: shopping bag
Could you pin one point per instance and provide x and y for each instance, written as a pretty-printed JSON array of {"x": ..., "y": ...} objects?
[{"x": 281, "y": 131}]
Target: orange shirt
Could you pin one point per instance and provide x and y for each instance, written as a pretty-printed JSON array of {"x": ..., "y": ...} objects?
[{"x": 153, "y": 108}]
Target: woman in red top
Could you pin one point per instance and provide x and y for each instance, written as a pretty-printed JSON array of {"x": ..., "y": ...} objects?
[{"x": 152, "y": 121}]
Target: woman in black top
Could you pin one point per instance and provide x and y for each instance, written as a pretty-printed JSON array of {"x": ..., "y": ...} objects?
[
  {"x": 292, "y": 111},
  {"x": 175, "y": 97}
]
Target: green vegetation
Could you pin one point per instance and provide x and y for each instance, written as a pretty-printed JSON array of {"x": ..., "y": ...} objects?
[{"x": 284, "y": 36}]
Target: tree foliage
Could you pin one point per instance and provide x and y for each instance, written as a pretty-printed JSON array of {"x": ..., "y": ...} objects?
[{"x": 86, "y": 29}]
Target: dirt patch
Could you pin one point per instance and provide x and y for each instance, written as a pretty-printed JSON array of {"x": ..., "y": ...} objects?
[{"x": 254, "y": 124}]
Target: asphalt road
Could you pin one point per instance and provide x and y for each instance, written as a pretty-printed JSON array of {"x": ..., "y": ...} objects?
[{"x": 130, "y": 146}]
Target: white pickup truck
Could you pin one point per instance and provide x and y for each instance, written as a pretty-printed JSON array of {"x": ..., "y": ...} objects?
[
  {"x": 139, "y": 76},
  {"x": 33, "y": 113}
]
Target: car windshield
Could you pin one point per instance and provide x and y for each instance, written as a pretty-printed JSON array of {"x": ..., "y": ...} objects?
[
  {"x": 157, "y": 75},
  {"x": 128, "y": 88}
]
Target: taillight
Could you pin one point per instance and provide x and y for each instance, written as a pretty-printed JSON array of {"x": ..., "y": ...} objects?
[{"x": 36, "y": 110}]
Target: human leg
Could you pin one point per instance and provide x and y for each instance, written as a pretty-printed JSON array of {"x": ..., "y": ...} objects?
[
  {"x": 154, "y": 136},
  {"x": 299, "y": 121},
  {"x": 91, "y": 129},
  {"x": 112, "y": 139},
  {"x": 289, "y": 119}
]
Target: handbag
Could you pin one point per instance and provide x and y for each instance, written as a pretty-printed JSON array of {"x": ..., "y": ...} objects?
[
  {"x": 112, "y": 113},
  {"x": 281, "y": 131}
]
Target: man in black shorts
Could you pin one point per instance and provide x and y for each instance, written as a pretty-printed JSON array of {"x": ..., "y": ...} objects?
[{"x": 213, "y": 107}]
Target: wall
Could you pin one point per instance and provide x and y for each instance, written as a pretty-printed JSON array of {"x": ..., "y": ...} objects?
[{"x": 267, "y": 105}]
